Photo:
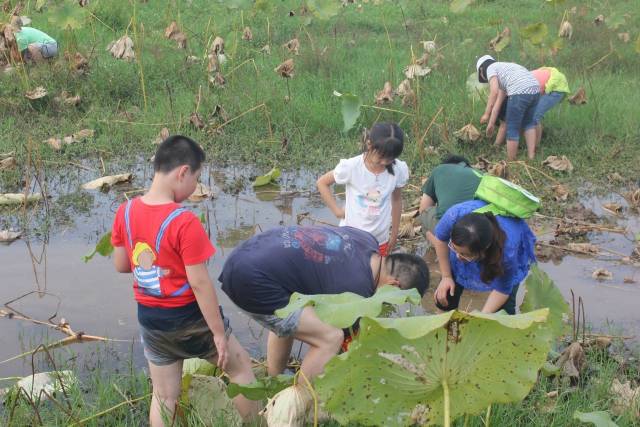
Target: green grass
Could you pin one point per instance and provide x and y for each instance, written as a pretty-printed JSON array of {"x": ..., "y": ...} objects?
[{"x": 353, "y": 52}]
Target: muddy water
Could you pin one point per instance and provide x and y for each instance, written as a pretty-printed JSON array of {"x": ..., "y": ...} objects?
[{"x": 92, "y": 298}]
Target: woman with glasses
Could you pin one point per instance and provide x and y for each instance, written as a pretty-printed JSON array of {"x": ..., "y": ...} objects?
[{"x": 481, "y": 252}]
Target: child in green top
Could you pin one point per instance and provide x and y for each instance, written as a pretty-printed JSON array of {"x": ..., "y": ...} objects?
[{"x": 35, "y": 44}]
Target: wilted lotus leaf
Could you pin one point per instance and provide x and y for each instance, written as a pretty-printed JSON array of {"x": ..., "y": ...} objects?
[
  {"x": 8, "y": 163},
  {"x": 500, "y": 169},
  {"x": 289, "y": 407},
  {"x": 572, "y": 361},
  {"x": 214, "y": 64},
  {"x": 614, "y": 208},
  {"x": 83, "y": 134},
  {"x": 342, "y": 310},
  {"x": 468, "y": 133},
  {"x": 599, "y": 19},
  {"x": 266, "y": 49},
  {"x": 217, "y": 79},
  {"x": 407, "y": 229},
  {"x": 385, "y": 95},
  {"x": 615, "y": 177},
  {"x": 542, "y": 292},
  {"x": 416, "y": 70},
  {"x": 78, "y": 63},
  {"x": 202, "y": 192},
  {"x": 482, "y": 164},
  {"x": 196, "y": 121},
  {"x": 55, "y": 143},
  {"x": 423, "y": 60},
  {"x": 172, "y": 32},
  {"x": 501, "y": 41},
  {"x": 293, "y": 46},
  {"x": 558, "y": 163},
  {"x": 65, "y": 98},
  {"x": 597, "y": 418},
  {"x": 624, "y": 37},
  {"x": 566, "y": 30},
  {"x": 535, "y": 33},
  {"x": 36, "y": 93},
  {"x": 247, "y": 34},
  {"x": 429, "y": 46},
  {"x": 602, "y": 274},
  {"x": 409, "y": 368},
  {"x": 285, "y": 69},
  {"x": 8, "y": 236},
  {"x": 42, "y": 384},
  {"x": 560, "y": 192},
  {"x": 122, "y": 48},
  {"x": 164, "y": 134},
  {"x": 217, "y": 47},
  {"x": 106, "y": 182},
  {"x": 579, "y": 98},
  {"x": 8, "y": 199},
  {"x": 588, "y": 248},
  {"x": 404, "y": 88},
  {"x": 624, "y": 396}
]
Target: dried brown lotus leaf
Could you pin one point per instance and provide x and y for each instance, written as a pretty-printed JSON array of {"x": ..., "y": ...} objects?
[
  {"x": 293, "y": 46},
  {"x": 286, "y": 69},
  {"x": 560, "y": 192},
  {"x": 217, "y": 47},
  {"x": 429, "y": 46},
  {"x": 499, "y": 169},
  {"x": 559, "y": 163},
  {"x": 633, "y": 197},
  {"x": 266, "y": 49},
  {"x": 482, "y": 164},
  {"x": 247, "y": 34},
  {"x": 122, "y": 48},
  {"x": 404, "y": 87},
  {"x": 624, "y": 37},
  {"x": 588, "y": 248},
  {"x": 36, "y": 93},
  {"x": 171, "y": 30},
  {"x": 566, "y": 30},
  {"x": 602, "y": 274},
  {"x": 164, "y": 134},
  {"x": 468, "y": 133},
  {"x": 614, "y": 208},
  {"x": 500, "y": 41},
  {"x": 624, "y": 397},
  {"x": 615, "y": 177},
  {"x": 55, "y": 143},
  {"x": 579, "y": 98},
  {"x": 202, "y": 192},
  {"x": 80, "y": 63},
  {"x": 572, "y": 361},
  {"x": 599, "y": 20},
  {"x": 217, "y": 80},
  {"x": 7, "y": 236},
  {"x": 415, "y": 70},
  {"x": 8, "y": 163},
  {"x": 385, "y": 95},
  {"x": 65, "y": 98},
  {"x": 423, "y": 60},
  {"x": 196, "y": 121},
  {"x": 83, "y": 134},
  {"x": 214, "y": 63}
]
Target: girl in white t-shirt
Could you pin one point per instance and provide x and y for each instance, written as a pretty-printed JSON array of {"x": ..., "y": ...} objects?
[{"x": 374, "y": 182}]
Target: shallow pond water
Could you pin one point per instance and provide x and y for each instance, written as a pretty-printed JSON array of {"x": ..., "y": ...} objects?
[{"x": 93, "y": 298}]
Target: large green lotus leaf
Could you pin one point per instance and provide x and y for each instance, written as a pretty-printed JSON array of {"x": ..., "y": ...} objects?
[
  {"x": 342, "y": 310},
  {"x": 542, "y": 292},
  {"x": 475, "y": 89},
  {"x": 350, "y": 109},
  {"x": 597, "y": 418},
  {"x": 269, "y": 177},
  {"x": 401, "y": 366},
  {"x": 198, "y": 366},
  {"x": 261, "y": 388},
  {"x": 103, "y": 247},
  {"x": 459, "y": 6},
  {"x": 535, "y": 33}
]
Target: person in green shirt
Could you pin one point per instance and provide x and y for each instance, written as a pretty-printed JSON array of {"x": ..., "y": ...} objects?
[
  {"x": 35, "y": 44},
  {"x": 451, "y": 182}
]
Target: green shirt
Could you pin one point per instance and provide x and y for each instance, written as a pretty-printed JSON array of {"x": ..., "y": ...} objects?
[
  {"x": 28, "y": 35},
  {"x": 450, "y": 184}
]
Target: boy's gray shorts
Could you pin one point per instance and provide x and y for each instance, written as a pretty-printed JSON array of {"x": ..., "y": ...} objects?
[
  {"x": 193, "y": 340},
  {"x": 281, "y": 327},
  {"x": 47, "y": 50}
]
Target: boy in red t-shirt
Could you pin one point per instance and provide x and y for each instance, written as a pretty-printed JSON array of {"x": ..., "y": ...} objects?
[{"x": 166, "y": 248}]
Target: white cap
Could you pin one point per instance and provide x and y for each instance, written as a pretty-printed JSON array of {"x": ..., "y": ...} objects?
[{"x": 481, "y": 60}]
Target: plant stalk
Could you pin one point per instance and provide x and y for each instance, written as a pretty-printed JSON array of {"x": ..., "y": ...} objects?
[{"x": 447, "y": 415}]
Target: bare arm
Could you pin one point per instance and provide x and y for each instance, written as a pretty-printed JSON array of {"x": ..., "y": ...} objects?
[
  {"x": 502, "y": 95},
  {"x": 396, "y": 212},
  {"x": 494, "y": 302},
  {"x": 324, "y": 184},
  {"x": 446, "y": 282},
  {"x": 121, "y": 260},
  {"x": 425, "y": 202},
  {"x": 493, "y": 95},
  {"x": 207, "y": 299}
]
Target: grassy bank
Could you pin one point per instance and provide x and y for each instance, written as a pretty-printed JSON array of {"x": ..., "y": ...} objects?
[{"x": 297, "y": 122}]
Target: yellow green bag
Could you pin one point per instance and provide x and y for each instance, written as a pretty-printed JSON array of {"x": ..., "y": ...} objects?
[{"x": 505, "y": 198}]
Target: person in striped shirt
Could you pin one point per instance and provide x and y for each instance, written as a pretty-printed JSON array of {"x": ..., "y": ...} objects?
[{"x": 520, "y": 88}]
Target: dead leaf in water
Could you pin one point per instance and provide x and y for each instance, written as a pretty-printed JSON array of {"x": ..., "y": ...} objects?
[
  {"x": 566, "y": 30},
  {"x": 602, "y": 274},
  {"x": 122, "y": 48},
  {"x": 561, "y": 164},
  {"x": 560, "y": 192},
  {"x": 285, "y": 69},
  {"x": 8, "y": 163},
  {"x": 578, "y": 98},
  {"x": 105, "y": 182},
  {"x": 202, "y": 192},
  {"x": 164, "y": 134},
  {"x": 196, "y": 121},
  {"x": 588, "y": 248},
  {"x": 614, "y": 208},
  {"x": 468, "y": 133},
  {"x": 247, "y": 34},
  {"x": 385, "y": 95},
  {"x": 624, "y": 396},
  {"x": 293, "y": 46},
  {"x": 7, "y": 236},
  {"x": 8, "y": 199},
  {"x": 36, "y": 93},
  {"x": 629, "y": 280}
]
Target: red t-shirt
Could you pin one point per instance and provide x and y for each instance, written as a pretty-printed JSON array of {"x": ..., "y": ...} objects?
[{"x": 184, "y": 243}]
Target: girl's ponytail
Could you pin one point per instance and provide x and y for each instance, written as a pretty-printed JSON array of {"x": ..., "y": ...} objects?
[{"x": 492, "y": 261}]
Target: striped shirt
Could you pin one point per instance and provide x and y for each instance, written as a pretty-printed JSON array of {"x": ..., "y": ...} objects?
[{"x": 514, "y": 79}]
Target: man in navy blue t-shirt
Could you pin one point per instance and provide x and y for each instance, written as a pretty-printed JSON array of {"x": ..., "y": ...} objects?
[{"x": 261, "y": 274}]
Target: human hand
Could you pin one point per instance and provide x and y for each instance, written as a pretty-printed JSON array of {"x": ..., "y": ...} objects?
[
  {"x": 447, "y": 285},
  {"x": 484, "y": 118},
  {"x": 340, "y": 213},
  {"x": 391, "y": 245},
  {"x": 221, "y": 346},
  {"x": 491, "y": 127}
]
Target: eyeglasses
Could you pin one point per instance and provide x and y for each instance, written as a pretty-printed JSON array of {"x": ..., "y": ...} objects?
[{"x": 462, "y": 257}]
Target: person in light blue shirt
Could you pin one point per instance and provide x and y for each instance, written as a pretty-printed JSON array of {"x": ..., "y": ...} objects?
[{"x": 482, "y": 252}]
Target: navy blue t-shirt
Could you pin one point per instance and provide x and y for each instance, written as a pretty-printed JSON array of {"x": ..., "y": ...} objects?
[{"x": 261, "y": 274}]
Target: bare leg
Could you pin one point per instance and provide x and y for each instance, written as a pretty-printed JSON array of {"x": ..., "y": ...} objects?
[
  {"x": 167, "y": 386},
  {"x": 530, "y": 136},
  {"x": 324, "y": 341},
  {"x": 34, "y": 52},
  {"x": 501, "y": 134},
  {"x": 538, "y": 134},
  {"x": 239, "y": 372},
  {"x": 512, "y": 149},
  {"x": 278, "y": 351}
]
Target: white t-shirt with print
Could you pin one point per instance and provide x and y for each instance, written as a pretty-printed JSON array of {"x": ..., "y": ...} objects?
[{"x": 368, "y": 196}]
